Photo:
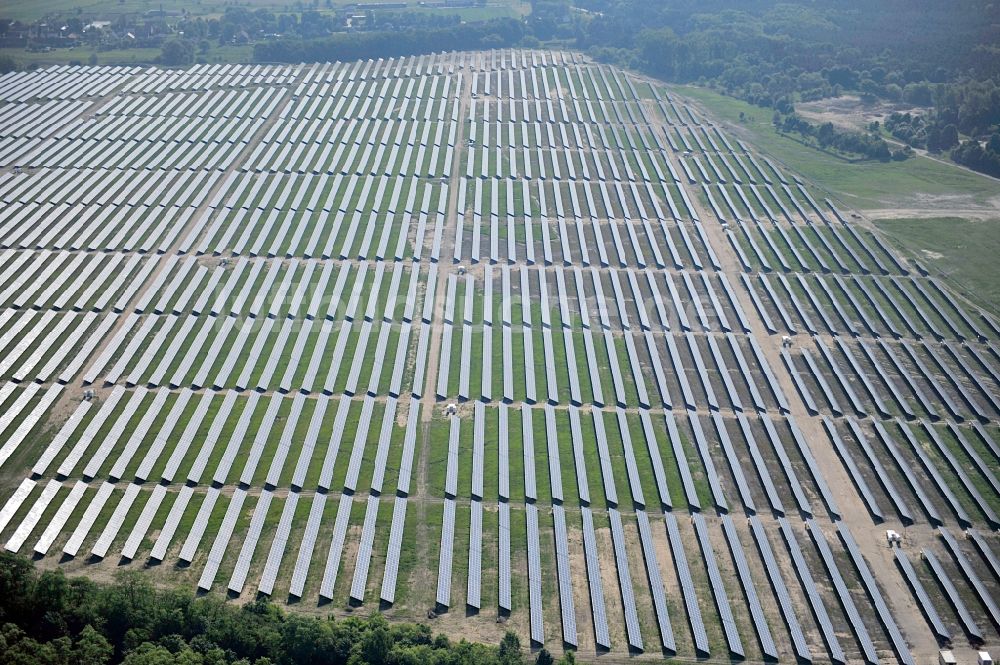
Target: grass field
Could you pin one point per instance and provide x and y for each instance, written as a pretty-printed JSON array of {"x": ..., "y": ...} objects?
[
  {"x": 135, "y": 56},
  {"x": 963, "y": 250},
  {"x": 866, "y": 185},
  {"x": 958, "y": 237},
  {"x": 32, "y": 11}
]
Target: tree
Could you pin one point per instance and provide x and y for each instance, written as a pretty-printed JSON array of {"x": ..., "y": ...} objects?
[
  {"x": 92, "y": 648},
  {"x": 510, "y": 649},
  {"x": 8, "y": 64},
  {"x": 544, "y": 657},
  {"x": 74, "y": 621},
  {"x": 177, "y": 53},
  {"x": 378, "y": 642},
  {"x": 16, "y": 583},
  {"x": 994, "y": 143},
  {"x": 152, "y": 654},
  {"x": 949, "y": 137}
]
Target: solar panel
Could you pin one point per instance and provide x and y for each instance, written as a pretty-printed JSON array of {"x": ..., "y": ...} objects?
[
  {"x": 718, "y": 588},
  {"x": 565, "y": 576},
  {"x": 782, "y": 312},
  {"x": 714, "y": 482},
  {"x": 817, "y": 375},
  {"x": 117, "y": 430},
  {"x": 86, "y": 521},
  {"x": 474, "y": 584},
  {"x": 875, "y": 595},
  {"x": 61, "y": 438},
  {"x": 336, "y": 547},
  {"x": 720, "y": 363},
  {"x": 32, "y": 517},
  {"x": 326, "y": 472},
  {"x": 856, "y": 476},
  {"x": 278, "y": 545},
  {"x": 780, "y": 590},
  {"x": 688, "y": 590},
  {"x": 982, "y": 545},
  {"x": 200, "y": 524},
  {"x": 443, "y": 597},
  {"x": 478, "y": 449},
  {"x": 814, "y": 468},
  {"x": 384, "y": 440},
  {"x": 842, "y": 591},
  {"x": 986, "y": 598},
  {"x": 222, "y": 539},
  {"x": 60, "y": 518},
  {"x": 812, "y": 592},
  {"x": 858, "y": 407},
  {"x": 144, "y": 521},
  {"x": 307, "y": 545},
  {"x": 174, "y": 517},
  {"x": 625, "y": 580},
  {"x": 504, "y": 557},
  {"x": 367, "y": 541},
  {"x": 602, "y": 634},
  {"x": 535, "y": 602},
  {"x": 951, "y": 593},
  {"x": 699, "y": 363},
  {"x": 786, "y": 465},
  {"x": 902, "y": 463},
  {"x": 360, "y": 439},
  {"x": 237, "y": 437},
  {"x": 139, "y": 433}
]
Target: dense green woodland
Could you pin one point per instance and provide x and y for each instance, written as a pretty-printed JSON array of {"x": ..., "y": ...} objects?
[
  {"x": 495, "y": 33},
  {"x": 49, "y": 619},
  {"x": 943, "y": 57}
]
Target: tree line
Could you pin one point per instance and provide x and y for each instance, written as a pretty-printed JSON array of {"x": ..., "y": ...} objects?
[
  {"x": 494, "y": 33},
  {"x": 868, "y": 145},
  {"x": 969, "y": 108},
  {"x": 939, "y": 58},
  {"x": 48, "y": 618}
]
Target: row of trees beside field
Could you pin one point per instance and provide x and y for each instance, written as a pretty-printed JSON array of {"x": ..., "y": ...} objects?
[{"x": 48, "y": 618}]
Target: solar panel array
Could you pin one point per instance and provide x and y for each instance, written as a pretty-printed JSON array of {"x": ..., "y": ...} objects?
[{"x": 512, "y": 314}]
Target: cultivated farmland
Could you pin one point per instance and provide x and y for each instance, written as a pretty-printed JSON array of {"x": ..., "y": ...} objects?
[{"x": 504, "y": 340}]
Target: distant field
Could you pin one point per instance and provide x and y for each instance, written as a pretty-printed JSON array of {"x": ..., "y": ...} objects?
[
  {"x": 943, "y": 215},
  {"x": 865, "y": 185},
  {"x": 135, "y": 56},
  {"x": 109, "y": 9},
  {"x": 30, "y": 11},
  {"x": 963, "y": 250},
  {"x": 65, "y": 56}
]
